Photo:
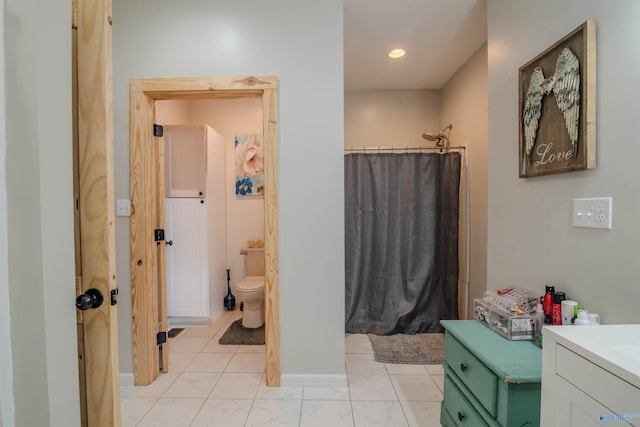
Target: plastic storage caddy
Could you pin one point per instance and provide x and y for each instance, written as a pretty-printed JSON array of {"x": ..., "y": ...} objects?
[{"x": 509, "y": 312}]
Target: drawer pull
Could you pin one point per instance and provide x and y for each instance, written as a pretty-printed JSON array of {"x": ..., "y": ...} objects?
[
  {"x": 460, "y": 416},
  {"x": 463, "y": 368}
]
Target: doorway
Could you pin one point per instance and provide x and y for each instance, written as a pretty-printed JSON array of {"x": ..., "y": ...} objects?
[
  {"x": 233, "y": 220},
  {"x": 148, "y": 279}
]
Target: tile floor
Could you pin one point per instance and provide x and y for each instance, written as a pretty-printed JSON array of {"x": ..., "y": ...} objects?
[{"x": 220, "y": 385}]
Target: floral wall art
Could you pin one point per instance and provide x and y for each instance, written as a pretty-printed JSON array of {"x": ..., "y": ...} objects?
[{"x": 249, "y": 162}]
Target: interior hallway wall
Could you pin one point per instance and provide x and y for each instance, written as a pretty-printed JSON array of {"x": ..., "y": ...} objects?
[
  {"x": 7, "y": 404},
  {"x": 531, "y": 240},
  {"x": 38, "y": 247},
  {"x": 465, "y": 105},
  {"x": 301, "y": 43},
  {"x": 390, "y": 118}
]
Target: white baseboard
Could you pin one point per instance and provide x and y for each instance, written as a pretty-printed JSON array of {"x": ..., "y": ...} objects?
[
  {"x": 313, "y": 380},
  {"x": 126, "y": 379}
]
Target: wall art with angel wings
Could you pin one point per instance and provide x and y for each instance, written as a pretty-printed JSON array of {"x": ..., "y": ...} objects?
[{"x": 558, "y": 107}]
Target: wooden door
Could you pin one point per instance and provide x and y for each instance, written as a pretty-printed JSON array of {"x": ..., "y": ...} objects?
[
  {"x": 93, "y": 188},
  {"x": 146, "y": 158}
]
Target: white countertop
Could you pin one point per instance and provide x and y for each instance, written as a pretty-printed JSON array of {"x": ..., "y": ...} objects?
[{"x": 614, "y": 347}]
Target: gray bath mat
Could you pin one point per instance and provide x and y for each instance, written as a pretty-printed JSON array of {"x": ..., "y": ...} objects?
[
  {"x": 407, "y": 349},
  {"x": 239, "y": 335},
  {"x": 173, "y": 332}
]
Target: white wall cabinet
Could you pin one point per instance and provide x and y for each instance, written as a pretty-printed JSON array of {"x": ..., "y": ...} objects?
[
  {"x": 185, "y": 161},
  {"x": 195, "y": 222},
  {"x": 187, "y": 257},
  {"x": 591, "y": 376}
]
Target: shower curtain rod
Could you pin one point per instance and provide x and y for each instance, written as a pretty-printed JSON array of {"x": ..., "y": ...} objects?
[{"x": 404, "y": 149}]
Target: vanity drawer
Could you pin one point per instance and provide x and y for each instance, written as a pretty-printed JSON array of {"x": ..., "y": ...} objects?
[
  {"x": 458, "y": 409},
  {"x": 480, "y": 380},
  {"x": 609, "y": 390}
]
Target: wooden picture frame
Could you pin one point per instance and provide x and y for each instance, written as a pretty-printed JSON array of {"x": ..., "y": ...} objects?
[{"x": 557, "y": 108}]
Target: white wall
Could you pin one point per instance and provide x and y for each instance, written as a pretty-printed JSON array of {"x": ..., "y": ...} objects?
[
  {"x": 465, "y": 105},
  {"x": 390, "y": 118},
  {"x": 301, "y": 43},
  {"x": 7, "y": 404},
  {"x": 531, "y": 241},
  {"x": 39, "y": 217}
]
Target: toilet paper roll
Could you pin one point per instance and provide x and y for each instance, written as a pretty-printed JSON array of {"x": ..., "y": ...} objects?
[{"x": 567, "y": 311}]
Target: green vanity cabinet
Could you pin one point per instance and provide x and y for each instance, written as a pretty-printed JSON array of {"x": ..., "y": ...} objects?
[{"x": 489, "y": 380}]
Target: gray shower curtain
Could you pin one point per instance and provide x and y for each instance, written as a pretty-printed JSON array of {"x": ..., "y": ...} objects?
[{"x": 401, "y": 241}]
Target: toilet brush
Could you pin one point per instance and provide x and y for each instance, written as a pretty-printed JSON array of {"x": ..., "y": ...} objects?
[{"x": 229, "y": 300}]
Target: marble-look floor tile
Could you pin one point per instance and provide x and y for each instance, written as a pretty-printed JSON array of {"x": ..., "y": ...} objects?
[
  {"x": 212, "y": 346},
  {"x": 326, "y": 393},
  {"x": 207, "y": 331},
  {"x": 156, "y": 389},
  {"x": 247, "y": 362},
  {"x": 192, "y": 385},
  {"x": 209, "y": 362},
  {"x": 422, "y": 414},
  {"x": 358, "y": 343},
  {"x": 397, "y": 369},
  {"x": 439, "y": 380},
  {"x": 179, "y": 361},
  {"x": 416, "y": 388},
  {"x": 378, "y": 414},
  {"x": 435, "y": 369},
  {"x": 363, "y": 363},
  {"x": 371, "y": 387},
  {"x": 278, "y": 393},
  {"x": 172, "y": 413},
  {"x": 236, "y": 386},
  {"x": 274, "y": 413},
  {"x": 223, "y": 412},
  {"x": 252, "y": 349},
  {"x": 322, "y": 413},
  {"x": 188, "y": 345},
  {"x": 132, "y": 409}
]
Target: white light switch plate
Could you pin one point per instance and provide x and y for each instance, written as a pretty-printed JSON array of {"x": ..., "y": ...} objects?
[
  {"x": 592, "y": 213},
  {"x": 123, "y": 207}
]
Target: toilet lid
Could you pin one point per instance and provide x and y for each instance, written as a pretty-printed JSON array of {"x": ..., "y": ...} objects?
[{"x": 251, "y": 284}]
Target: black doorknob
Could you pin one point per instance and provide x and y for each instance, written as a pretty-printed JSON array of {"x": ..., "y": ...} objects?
[
  {"x": 91, "y": 299},
  {"x": 169, "y": 242}
]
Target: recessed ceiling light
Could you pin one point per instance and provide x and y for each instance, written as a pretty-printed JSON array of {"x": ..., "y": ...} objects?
[{"x": 397, "y": 53}]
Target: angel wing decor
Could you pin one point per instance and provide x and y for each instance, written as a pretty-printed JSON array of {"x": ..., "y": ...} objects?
[{"x": 559, "y": 136}]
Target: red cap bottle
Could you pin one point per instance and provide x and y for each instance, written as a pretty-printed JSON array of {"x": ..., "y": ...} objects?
[{"x": 547, "y": 302}]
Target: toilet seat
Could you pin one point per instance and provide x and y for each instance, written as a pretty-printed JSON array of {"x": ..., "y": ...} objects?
[{"x": 251, "y": 284}]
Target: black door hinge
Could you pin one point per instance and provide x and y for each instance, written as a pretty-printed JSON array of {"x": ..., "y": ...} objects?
[
  {"x": 158, "y": 235},
  {"x": 158, "y": 130},
  {"x": 114, "y": 296},
  {"x": 161, "y": 338}
]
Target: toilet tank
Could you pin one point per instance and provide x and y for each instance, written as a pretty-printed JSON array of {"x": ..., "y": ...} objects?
[{"x": 253, "y": 261}]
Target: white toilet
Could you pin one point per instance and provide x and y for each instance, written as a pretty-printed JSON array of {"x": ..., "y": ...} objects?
[{"x": 251, "y": 289}]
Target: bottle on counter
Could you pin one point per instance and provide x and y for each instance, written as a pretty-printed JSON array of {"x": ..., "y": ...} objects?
[
  {"x": 583, "y": 318},
  {"x": 556, "y": 308},
  {"x": 547, "y": 302}
]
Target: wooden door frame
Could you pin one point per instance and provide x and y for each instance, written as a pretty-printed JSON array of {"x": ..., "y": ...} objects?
[{"x": 146, "y": 158}]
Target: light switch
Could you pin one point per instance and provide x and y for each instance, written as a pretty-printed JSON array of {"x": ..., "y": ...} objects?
[
  {"x": 592, "y": 213},
  {"x": 123, "y": 207}
]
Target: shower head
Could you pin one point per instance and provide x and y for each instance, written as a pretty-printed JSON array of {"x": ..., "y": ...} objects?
[{"x": 441, "y": 138}]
